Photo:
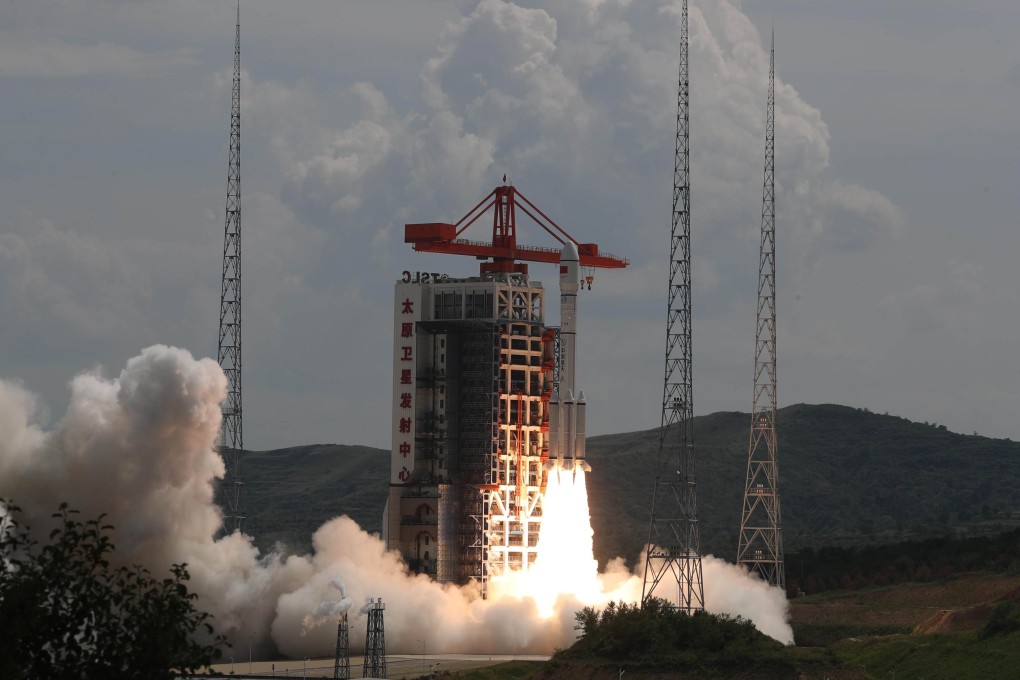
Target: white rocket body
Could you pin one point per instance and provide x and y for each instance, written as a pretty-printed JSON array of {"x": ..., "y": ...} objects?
[{"x": 566, "y": 414}]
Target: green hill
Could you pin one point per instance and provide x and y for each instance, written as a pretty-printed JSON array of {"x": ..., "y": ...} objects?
[
  {"x": 846, "y": 476},
  {"x": 291, "y": 492}
]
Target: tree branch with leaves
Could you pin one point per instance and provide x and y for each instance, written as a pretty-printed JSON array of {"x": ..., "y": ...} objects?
[{"x": 66, "y": 612}]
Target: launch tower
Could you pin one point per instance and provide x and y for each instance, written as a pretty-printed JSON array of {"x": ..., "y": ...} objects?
[
  {"x": 673, "y": 557},
  {"x": 472, "y": 375},
  {"x": 474, "y": 370},
  {"x": 760, "y": 546},
  {"x": 229, "y": 347}
]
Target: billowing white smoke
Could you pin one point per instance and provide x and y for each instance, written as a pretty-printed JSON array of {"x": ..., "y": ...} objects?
[
  {"x": 140, "y": 448},
  {"x": 330, "y": 609},
  {"x": 344, "y": 603},
  {"x": 729, "y": 590}
]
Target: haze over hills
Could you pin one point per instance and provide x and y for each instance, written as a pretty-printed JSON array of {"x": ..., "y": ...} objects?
[{"x": 846, "y": 475}]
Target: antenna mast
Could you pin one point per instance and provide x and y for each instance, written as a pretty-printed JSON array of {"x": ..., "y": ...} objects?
[
  {"x": 229, "y": 350},
  {"x": 674, "y": 543},
  {"x": 761, "y": 539}
]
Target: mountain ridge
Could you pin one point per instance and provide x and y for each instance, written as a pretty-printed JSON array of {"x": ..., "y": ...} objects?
[{"x": 846, "y": 476}]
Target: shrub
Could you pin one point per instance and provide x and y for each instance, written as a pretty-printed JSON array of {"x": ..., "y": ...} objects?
[{"x": 66, "y": 612}]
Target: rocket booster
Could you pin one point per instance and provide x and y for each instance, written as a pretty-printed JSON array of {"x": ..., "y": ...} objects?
[{"x": 567, "y": 414}]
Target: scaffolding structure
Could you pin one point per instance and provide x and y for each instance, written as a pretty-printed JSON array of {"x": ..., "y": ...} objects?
[
  {"x": 515, "y": 496},
  {"x": 229, "y": 344},
  {"x": 760, "y": 546},
  {"x": 478, "y": 435},
  {"x": 467, "y": 504},
  {"x": 674, "y": 543},
  {"x": 374, "y": 665}
]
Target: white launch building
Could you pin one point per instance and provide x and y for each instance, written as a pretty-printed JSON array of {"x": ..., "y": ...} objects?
[{"x": 484, "y": 405}]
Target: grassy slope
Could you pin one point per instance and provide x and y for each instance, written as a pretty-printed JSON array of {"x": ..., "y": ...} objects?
[
  {"x": 867, "y": 635},
  {"x": 957, "y": 656},
  {"x": 825, "y": 618},
  {"x": 846, "y": 475},
  {"x": 870, "y": 631}
]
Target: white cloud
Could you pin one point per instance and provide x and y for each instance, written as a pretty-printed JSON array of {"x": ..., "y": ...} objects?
[
  {"x": 945, "y": 304},
  {"x": 26, "y": 57},
  {"x": 1013, "y": 75},
  {"x": 579, "y": 92},
  {"x": 334, "y": 177},
  {"x": 280, "y": 112},
  {"x": 574, "y": 100},
  {"x": 87, "y": 285}
]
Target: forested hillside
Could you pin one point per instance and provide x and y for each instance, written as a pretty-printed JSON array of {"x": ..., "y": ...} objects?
[{"x": 847, "y": 476}]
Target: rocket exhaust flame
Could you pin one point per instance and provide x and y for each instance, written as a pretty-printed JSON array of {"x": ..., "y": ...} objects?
[
  {"x": 565, "y": 576},
  {"x": 566, "y": 562}
]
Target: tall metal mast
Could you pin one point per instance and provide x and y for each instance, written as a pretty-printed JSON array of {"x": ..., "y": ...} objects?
[
  {"x": 674, "y": 543},
  {"x": 760, "y": 547},
  {"x": 229, "y": 352}
]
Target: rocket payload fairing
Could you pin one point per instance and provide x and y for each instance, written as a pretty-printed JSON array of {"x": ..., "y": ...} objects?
[{"x": 567, "y": 412}]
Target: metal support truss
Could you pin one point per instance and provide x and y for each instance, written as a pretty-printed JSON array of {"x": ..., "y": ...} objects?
[
  {"x": 374, "y": 665},
  {"x": 229, "y": 350},
  {"x": 342, "y": 661},
  {"x": 760, "y": 546},
  {"x": 479, "y": 447},
  {"x": 673, "y": 554}
]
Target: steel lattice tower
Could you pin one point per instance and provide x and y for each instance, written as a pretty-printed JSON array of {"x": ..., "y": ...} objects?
[
  {"x": 674, "y": 543},
  {"x": 229, "y": 351},
  {"x": 342, "y": 664},
  {"x": 761, "y": 537},
  {"x": 374, "y": 665}
]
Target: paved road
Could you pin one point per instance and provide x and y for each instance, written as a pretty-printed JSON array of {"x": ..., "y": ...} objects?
[{"x": 397, "y": 665}]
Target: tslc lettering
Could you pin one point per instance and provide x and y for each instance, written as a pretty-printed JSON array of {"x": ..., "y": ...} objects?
[{"x": 423, "y": 277}]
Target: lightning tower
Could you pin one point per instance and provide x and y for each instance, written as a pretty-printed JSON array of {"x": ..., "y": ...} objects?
[
  {"x": 760, "y": 546},
  {"x": 673, "y": 557},
  {"x": 229, "y": 350}
]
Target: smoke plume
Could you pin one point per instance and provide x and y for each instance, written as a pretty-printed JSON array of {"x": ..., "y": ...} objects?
[
  {"x": 141, "y": 449},
  {"x": 330, "y": 609}
]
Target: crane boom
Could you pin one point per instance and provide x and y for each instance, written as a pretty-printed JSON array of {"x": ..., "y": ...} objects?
[{"x": 503, "y": 254}]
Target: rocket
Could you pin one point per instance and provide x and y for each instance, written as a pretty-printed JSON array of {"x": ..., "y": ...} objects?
[{"x": 567, "y": 413}]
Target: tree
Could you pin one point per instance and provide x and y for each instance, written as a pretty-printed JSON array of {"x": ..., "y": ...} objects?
[
  {"x": 659, "y": 634},
  {"x": 66, "y": 612},
  {"x": 1005, "y": 619}
]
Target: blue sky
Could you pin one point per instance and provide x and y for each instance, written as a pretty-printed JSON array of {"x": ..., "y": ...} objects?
[{"x": 898, "y": 160}]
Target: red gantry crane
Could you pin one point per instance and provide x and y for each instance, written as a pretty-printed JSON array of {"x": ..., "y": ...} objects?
[{"x": 503, "y": 253}]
